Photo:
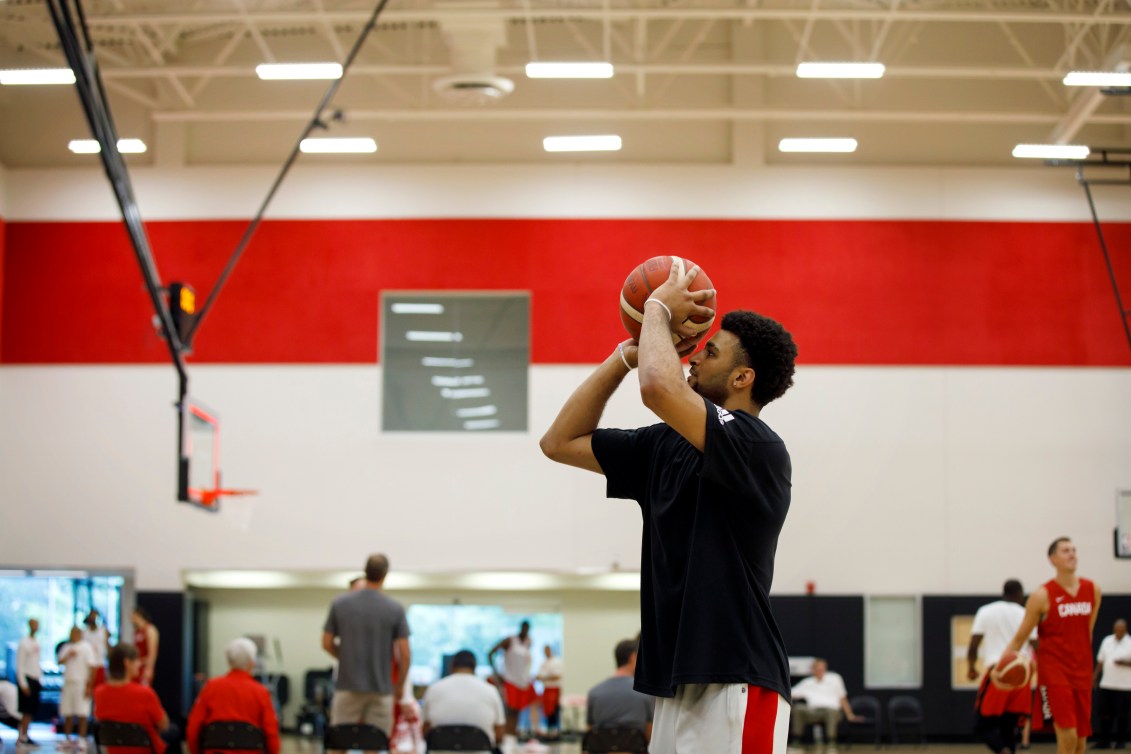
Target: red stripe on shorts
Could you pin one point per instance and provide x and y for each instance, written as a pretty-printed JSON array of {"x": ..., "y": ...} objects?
[{"x": 761, "y": 716}]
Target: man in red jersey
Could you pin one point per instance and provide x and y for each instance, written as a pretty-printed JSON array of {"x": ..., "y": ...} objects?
[{"x": 1064, "y": 612}]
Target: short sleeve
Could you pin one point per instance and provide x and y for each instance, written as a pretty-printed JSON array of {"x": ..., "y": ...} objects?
[
  {"x": 649, "y": 708},
  {"x": 153, "y": 706},
  {"x": 426, "y": 706},
  {"x": 623, "y": 455},
  {"x": 840, "y": 686},
  {"x": 401, "y": 631},
  {"x": 331, "y": 626},
  {"x": 979, "y": 626},
  {"x": 1102, "y": 654}
]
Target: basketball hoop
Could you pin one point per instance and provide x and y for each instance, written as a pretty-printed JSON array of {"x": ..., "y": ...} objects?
[{"x": 211, "y": 498}]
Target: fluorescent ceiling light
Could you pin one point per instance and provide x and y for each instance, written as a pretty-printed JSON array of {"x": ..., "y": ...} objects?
[
  {"x": 477, "y": 424},
  {"x": 441, "y": 361},
  {"x": 569, "y": 70},
  {"x": 1098, "y": 78},
  {"x": 298, "y": 71},
  {"x": 457, "y": 393},
  {"x": 471, "y": 411},
  {"x": 840, "y": 70},
  {"x": 433, "y": 336},
  {"x": 403, "y": 308},
  {"x": 817, "y": 145},
  {"x": 1051, "y": 151},
  {"x": 600, "y": 143},
  {"x": 91, "y": 146},
  {"x": 507, "y": 580},
  {"x": 463, "y": 381},
  {"x": 338, "y": 146},
  {"x": 59, "y": 574},
  {"x": 33, "y": 76}
]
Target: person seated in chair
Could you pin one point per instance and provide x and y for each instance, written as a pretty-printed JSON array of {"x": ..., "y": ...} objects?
[
  {"x": 614, "y": 703},
  {"x": 235, "y": 697},
  {"x": 122, "y": 700},
  {"x": 825, "y": 698},
  {"x": 464, "y": 699}
]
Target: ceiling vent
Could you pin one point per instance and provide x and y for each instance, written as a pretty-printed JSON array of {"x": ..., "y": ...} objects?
[{"x": 472, "y": 43}]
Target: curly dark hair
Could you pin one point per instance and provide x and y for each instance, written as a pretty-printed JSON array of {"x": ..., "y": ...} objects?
[{"x": 768, "y": 349}]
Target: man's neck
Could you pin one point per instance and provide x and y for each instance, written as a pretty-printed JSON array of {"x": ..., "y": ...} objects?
[
  {"x": 1067, "y": 579},
  {"x": 375, "y": 584},
  {"x": 624, "y": 671},
  {"x": 742, "y": 402}
]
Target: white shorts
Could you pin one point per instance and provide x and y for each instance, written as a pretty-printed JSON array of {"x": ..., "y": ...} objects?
[
  {"x": 363, "y": 707},
  {"x": 72, "y": 703},
  {"x": 733, "y": 718}
]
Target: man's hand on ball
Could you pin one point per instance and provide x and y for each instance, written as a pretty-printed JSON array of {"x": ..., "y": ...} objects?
[
  {"x": 629, "y": 351},
  {"x": 682, "y": 303},
  {"x": 687, "y": 346}
]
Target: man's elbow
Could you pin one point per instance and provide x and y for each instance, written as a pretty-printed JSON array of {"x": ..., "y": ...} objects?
[
  {"x": 654, "y": 392},
  {"x": 549, "y": 446}
]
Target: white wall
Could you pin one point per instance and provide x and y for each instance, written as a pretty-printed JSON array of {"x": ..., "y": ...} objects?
[
  {"x": 1029, "y": 192},
  {"x": 592, "y": 622},
  {"x": 905, "y": 479}
]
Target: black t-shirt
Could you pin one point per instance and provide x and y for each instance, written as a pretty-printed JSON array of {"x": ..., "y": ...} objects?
[{"x": 711, "y": 525}]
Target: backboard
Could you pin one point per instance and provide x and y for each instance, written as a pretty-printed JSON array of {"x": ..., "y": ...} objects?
[
  {"x": 198, "y": 467},
  {"x": 1123, "y": 524}
]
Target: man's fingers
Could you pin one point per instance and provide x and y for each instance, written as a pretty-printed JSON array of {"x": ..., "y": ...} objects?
[{"x": 702, "y": 295}]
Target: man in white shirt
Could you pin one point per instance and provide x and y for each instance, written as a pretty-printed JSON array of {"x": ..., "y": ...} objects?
[
  {"x": 1113, "y": 672},
  {"x": 825, "y": 698},
  {"x": 28, "y": 677},
  {"x": 79, "y": 662},
  {"x": 464, "y": 699},
  {"x": 98, "y": 637},
  {"x": 550, "y": 674},
  {"x": 999, "y": 711}
]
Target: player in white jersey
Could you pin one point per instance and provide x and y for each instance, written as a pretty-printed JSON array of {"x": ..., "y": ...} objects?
[
  {"x": 518, "y": 691},
  {"x": 999, "y": 711}
]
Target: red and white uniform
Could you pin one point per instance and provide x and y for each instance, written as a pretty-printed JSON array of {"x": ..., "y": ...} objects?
[
  {"x": 997, "y": 623},
  {"x": 141, "y": 643},
  {"x": 518, "y": 691},
  {"x": 1064, "y": 657}
]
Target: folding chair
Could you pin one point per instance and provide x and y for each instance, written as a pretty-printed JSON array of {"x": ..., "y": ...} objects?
[
  {"x": 231, "y": 735},
  {"x": 126, "y": 735},
  {"x": 868, "y": 723},
  {"x": 609, "y": 739},
  {"x": 905, "y": 712},
  {"x": 458, "y": 738},
  {"x": 355, "y": 737}
]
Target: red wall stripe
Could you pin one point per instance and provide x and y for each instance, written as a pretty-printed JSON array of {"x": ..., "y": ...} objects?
[{"x": 852, "y": 292}]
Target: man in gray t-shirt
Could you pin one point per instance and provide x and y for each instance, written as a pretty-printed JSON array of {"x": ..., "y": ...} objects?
[
  {"x": 613, "y": 701},
  {"x": 366, "y": 631}
]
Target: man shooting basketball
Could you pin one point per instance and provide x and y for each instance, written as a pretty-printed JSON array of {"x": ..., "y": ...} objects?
[
  {"x": 713, "y": 484},
  {"x": 1064, "y": 612}
]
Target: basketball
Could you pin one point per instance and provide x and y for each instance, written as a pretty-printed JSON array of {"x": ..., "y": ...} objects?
[
  {"x": 1011, "y": 671},
  {"x": 649, "y": 276}
]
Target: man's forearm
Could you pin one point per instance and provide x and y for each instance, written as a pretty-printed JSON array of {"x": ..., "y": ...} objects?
[
  {"x": 581, "y": 413},
  {"x": 660, "y": 367}
]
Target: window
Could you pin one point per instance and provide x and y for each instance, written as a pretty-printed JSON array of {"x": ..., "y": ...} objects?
[
  {"x": 455, "y": 362},
  {"x": 892, "y": 643},
  {"x": 58, "y": 602},
  {"x": 439, "y": 630}
]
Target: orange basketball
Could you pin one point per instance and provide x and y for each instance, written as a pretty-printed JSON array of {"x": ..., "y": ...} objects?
[
  {"x": 1012, "y": 671},
  {"x": 649, "y": 276}
]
